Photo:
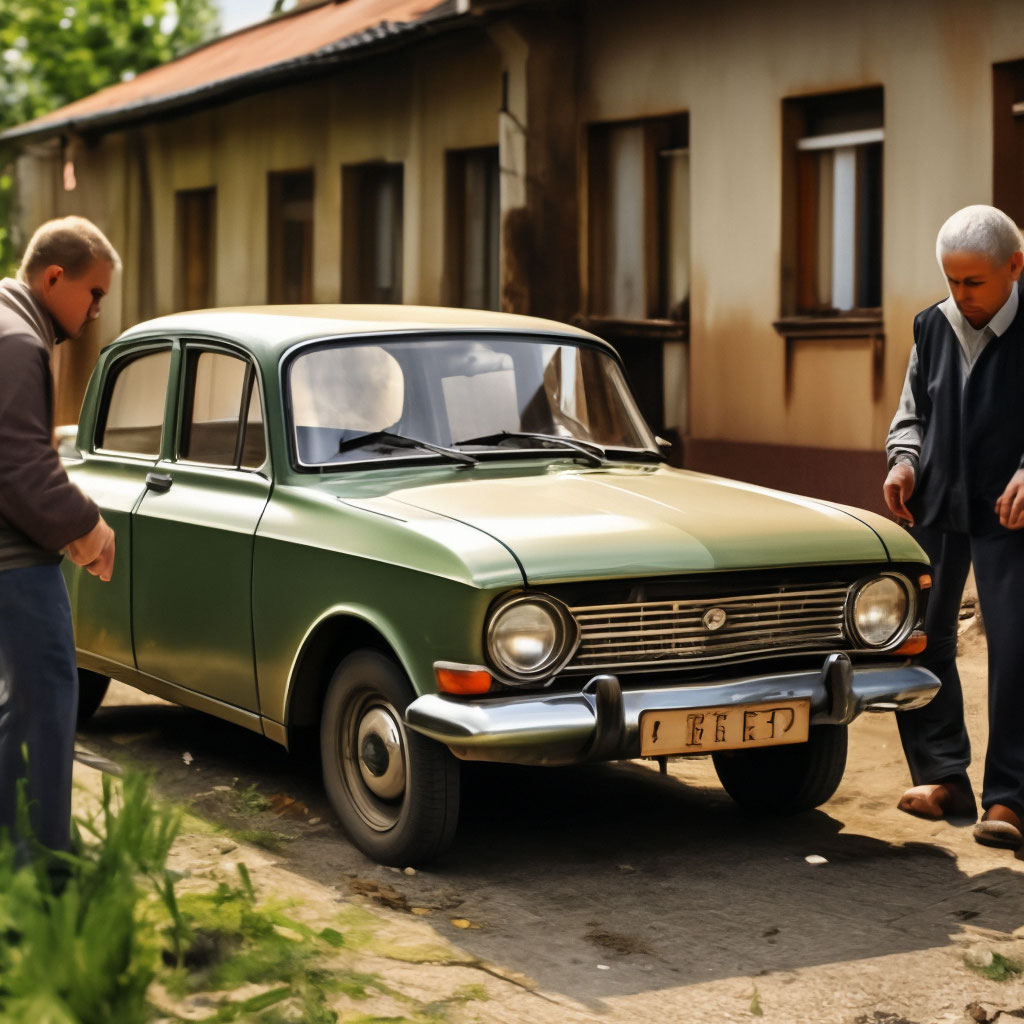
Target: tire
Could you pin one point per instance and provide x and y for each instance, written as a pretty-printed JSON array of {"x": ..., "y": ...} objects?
[
  {"x": 396, "y": 792},
  {"x": 786, "y": 779},
  {"x": 92, "y": 688}
]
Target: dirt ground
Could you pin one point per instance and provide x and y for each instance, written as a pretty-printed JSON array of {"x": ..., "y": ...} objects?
[{"x": 614, "y": 893}]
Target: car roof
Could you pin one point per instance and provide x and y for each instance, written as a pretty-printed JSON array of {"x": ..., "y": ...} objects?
[{"x": 276, "y": 328}]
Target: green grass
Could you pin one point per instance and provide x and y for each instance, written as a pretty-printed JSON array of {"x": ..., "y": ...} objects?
[
  {"x": 90, "y": 953},
  {"x": 1001, "y": 969},
  {"x": 265, "y": 839},
  {"x": 248, "y": 801},
  {"x": 85, "y": 954},
  {"x": 232, "y": 940}
]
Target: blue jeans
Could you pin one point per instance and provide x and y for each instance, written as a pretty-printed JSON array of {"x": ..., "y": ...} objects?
[{"x": 38, "y": 700}]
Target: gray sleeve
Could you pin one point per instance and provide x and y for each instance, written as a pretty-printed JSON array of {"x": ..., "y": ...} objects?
[
  {"x": 907, "y": 430},
  {"x": 36, "y": 496}
]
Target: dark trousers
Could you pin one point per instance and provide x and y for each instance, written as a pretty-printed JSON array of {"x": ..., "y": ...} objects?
[
  {"x": 935, "y": 737},
  {"x": 38, "y": 700}
]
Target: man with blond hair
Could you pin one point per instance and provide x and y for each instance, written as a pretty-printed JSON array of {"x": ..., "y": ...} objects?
[
  {"x": 65, "y": 273},
  {"x": 956, "y": 476}
]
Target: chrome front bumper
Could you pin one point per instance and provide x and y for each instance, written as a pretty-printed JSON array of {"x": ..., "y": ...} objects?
[{"x": 602, "y": 722}]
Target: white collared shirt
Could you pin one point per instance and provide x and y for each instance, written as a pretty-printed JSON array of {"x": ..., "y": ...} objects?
[
  {"x": 905, "y": 433},
  {"x": 974, "y": 339}
]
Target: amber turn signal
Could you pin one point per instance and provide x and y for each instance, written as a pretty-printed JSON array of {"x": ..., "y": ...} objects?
[
  {"x": 924, "y": 581},
  {"x": 462, "y": 681},
  {"x": 914, "y": 644}
]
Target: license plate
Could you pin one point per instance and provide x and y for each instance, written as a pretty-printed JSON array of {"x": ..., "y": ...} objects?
[{"x": 735, "y": 727}]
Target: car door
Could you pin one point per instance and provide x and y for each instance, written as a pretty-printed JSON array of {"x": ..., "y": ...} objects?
[
  {"x": 123, "y": 447},
  {"x": 193, "y": 533}
]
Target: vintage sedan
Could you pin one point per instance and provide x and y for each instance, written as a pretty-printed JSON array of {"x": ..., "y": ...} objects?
[{"x": 418, "y": 536}]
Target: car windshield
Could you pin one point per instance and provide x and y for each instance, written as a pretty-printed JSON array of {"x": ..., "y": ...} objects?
[{"x": 486, "y": 395}]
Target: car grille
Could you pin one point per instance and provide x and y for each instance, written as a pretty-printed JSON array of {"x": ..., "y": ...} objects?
[{"x": 655, "y": 634}]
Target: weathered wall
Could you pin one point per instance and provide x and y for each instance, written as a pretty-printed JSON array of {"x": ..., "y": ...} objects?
[
  {"x": 105, "y": 192},
  {"x": 730, "y": 66},
  {"x": 407, "y": 108}
]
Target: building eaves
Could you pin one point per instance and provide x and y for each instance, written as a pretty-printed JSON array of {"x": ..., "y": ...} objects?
[{"x": 362, "y": 44}]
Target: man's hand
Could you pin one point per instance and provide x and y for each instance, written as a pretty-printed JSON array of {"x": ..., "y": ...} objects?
[
  {"x": 897, "y": 489},
  {"x": 1010, "y": 506},
  {"x": 95, "y": 551}
]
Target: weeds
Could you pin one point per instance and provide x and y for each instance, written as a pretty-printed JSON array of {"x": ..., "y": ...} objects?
[
  {"x": 999, "y": 968},
  {"x": 115, "y": 937},
  {"x": 232, "y": 941},
  {"x": 265, "y": 839},
  {"x": 86, "y": 953},
  {"x": 755, "y": 1004},
  {"x": 248, "y": 801}
]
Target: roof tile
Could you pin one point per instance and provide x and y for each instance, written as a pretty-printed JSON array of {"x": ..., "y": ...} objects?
[{"x": 301, "y": 34}]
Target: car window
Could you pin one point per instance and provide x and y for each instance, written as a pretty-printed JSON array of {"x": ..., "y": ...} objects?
[
  {"x": 482, "y": 399},
  {"x": 134, "y": 415},
  {"x": 574, "y": 395},
  {"x": 342, "y": 391},
  {"x": 254, "y": 444},
  {"x": 452, "y": 390},
  {"x": 219, "y": 388},
  {"x": 581, "y": 393}
]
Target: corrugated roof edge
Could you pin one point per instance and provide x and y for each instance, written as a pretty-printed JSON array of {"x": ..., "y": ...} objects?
[{"x": 367, "y": 42}]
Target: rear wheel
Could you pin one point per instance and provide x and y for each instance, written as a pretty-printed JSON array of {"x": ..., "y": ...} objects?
[
  {"x": 92, "y": 688},
  {"x": 786, "y": 779},
  {"x": 396, "y": 792}
]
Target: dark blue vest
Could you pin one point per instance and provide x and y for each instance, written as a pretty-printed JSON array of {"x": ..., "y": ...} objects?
[{"x": 974, "y": 441}]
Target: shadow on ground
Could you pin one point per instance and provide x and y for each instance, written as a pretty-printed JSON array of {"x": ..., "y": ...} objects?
[{"x": 606, "y": 880}]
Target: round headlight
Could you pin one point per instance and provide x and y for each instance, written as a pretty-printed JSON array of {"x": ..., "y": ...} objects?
[
  {"x": 527, "y": 636},
  {"x": 879, "y": 611}
]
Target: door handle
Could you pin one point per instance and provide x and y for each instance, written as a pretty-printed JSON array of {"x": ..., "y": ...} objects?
[{"x": 159, "y": 482}]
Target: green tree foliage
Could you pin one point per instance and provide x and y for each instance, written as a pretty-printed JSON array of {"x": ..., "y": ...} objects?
[{"x": 53, "y": 52}]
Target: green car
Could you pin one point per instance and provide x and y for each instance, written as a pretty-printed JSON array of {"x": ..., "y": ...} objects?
[{"x": 420, "y": 536}]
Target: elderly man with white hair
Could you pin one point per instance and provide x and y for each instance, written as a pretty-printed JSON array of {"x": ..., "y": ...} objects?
[{"x": 956, "y": 477}]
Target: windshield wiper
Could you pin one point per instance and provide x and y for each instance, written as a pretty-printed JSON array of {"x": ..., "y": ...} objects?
[
  {"x": 594, "y": 454},
  {"x": 401, "y": 441}
]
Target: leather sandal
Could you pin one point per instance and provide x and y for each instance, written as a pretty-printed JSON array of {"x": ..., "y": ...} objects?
[{"x": 999, "y": 827}]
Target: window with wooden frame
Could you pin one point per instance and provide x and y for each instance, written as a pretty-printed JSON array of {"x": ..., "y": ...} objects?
[
  {"x": 372, "y": 224},
  {"x": 290, "y": 237},
  {"x": 832, "y": 210},
  {"x": 639, "y": 220},
  {"x": 196, "y": 219},
  {"x": 1008, "y": 139},
  {"x": 473, "y": 226}
]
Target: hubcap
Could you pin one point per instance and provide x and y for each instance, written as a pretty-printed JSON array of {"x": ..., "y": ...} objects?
[{"x": 381, "y": 757}]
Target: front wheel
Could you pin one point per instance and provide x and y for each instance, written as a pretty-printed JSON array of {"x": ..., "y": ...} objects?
[
  {"x": 396, "y": 792},
  {"x": 786, "y": 779}
]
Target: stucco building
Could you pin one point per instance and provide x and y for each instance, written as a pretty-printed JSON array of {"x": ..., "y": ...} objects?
[{"x": 742, "y": 196}]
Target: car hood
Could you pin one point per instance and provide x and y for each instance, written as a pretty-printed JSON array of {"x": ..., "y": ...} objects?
[{"x": 639, "y": 521}]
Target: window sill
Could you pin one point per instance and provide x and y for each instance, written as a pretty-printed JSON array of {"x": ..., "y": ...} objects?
[
  {"x": 866, "y": 323},
  {"x": 642, "y": 330},
  {"x": 857, "y": 325}
]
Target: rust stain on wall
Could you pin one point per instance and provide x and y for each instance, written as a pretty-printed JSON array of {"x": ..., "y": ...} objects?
[{"x": 516, "y": 261}]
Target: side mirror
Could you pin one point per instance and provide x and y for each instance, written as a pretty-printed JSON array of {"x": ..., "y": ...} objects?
[{"x": 664, "y": 446}]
